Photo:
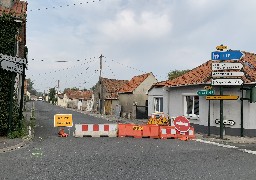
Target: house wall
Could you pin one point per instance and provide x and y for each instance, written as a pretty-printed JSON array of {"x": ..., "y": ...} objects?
[
  {"x": 139, "y": 95},
  {"x": 158, "y": 92},
  {"x": 89, "y": 106},
  {"x": 61, "y": 102},
  {"x": 231, "y": 109}
]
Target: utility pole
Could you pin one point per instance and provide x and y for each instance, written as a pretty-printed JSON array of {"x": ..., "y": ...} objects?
[{"x": 101, "y": 98}]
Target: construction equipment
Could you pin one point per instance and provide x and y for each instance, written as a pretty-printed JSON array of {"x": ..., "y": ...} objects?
[{"x": 158, "y": 118}]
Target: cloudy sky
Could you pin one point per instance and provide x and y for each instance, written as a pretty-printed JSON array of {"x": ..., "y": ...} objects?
[{"x": 134, "y": 36}]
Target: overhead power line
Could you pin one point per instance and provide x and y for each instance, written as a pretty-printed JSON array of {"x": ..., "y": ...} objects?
[{"x": 61, "y": 6}]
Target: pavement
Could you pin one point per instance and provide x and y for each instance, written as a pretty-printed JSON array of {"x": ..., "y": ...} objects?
[{"x": 7, "y": 145}]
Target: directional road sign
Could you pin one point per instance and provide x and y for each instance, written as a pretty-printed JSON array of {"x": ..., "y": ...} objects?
[
  {"x": 205, "y": 92},
  {"x": 12, "y": 66},
  {"x": 227, "y": 74},
  {"x": 227, "y": 82},
  {"x": 181, "y": 124},
  {"x": 225, "y": 66},
  {"x": 226, "y": 122},
  {"x": 222, "y": 97},
  {"x": 226, "y": 55},
  {"x": 13, "y": 59}
]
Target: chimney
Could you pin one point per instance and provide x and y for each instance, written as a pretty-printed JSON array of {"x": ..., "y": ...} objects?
[{"x": 7, "y": 3}]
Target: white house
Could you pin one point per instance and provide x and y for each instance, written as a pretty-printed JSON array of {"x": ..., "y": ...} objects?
[
  {"x": 179, "y": 97},
  {"x": 76, "y": 99}
]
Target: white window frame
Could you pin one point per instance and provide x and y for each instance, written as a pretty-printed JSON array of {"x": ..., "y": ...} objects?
[
  {"x": 192, "y": 116},
  {"x": 155, "y": 103}
]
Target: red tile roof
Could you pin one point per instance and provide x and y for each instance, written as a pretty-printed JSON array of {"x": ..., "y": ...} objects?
[
  {"x": 18, "y": 9},
  {"x": 113, "y": 85},
  {"x": 202, "y": 73},
  {"x": 134, "y": 83},
  {"x": 85, "y": 95}
]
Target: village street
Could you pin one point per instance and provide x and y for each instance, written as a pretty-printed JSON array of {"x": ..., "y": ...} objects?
[{"x": 51, "y": 157}]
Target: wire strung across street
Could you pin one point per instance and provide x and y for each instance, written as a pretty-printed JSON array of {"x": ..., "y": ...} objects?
[
  {"x": 61, "y": 6},
  {"x": 81, "y": 73}
]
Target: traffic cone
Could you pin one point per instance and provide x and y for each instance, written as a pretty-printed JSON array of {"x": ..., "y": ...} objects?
[{"x": 61, "y": 133}]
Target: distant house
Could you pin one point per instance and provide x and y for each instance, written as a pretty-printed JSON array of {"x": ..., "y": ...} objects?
[
  {"x": 61, "y": 101},
  {"x": 76, "y": 99},
  {"x": 134, "y": 94},
  {"x": 110, "y": 94},
  {"x": 33, "y": 97},
  {"x": 179, "y": 97},
  {"x": 28, "y": 96}
]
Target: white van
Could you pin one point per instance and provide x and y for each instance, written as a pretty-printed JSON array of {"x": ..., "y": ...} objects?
[{"x": 40, "y": 98}]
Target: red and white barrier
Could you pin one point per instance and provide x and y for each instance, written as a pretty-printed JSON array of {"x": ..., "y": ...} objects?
[
  {"x": 95, "y": 130},
  {"x": 167, "y": 132}
]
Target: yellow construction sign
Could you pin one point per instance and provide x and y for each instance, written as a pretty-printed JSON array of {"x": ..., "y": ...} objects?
[
  {"x": 222, "y": 97},
  {"x": 63, "y": 120}
]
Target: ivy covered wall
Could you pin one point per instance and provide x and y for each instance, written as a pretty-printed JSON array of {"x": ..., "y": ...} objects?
[{"x": 8, "y": 31}]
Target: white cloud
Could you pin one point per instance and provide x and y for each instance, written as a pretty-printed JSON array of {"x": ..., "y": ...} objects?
[
  {"x": 150, "y": 35},
  {"x": 128, "y": 25}
]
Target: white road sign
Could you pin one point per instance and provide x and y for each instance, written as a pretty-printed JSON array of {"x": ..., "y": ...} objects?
[
  {"x": 227, "y": 74},
  {"x": 12, "y": 66},
  {"x": 227, "y": 82},
  {"x": 224, "y": 66},
  {"x": 13, "y": 59}
]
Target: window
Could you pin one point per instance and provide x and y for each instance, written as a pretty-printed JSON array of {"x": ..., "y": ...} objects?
[
  {"x": 191, "y": 107},
  {"x": 158, "y": 104}
]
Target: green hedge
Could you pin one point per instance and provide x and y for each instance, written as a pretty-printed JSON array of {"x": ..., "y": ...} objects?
[{"x": 8, "y": 31}]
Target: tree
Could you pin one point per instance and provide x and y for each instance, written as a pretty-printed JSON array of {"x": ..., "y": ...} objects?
[
  {"x": 30, "y": 87},
  {"x": 93, "y": 88},
  {"x": 176, "y": 73},
  {"x": 75, "y": 89},
  {"x": 52, "y": 98},
  {"x": 71, "y": 89}
]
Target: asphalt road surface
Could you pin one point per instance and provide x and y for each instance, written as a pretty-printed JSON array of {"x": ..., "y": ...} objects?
[{"x": 52, "y": 157}]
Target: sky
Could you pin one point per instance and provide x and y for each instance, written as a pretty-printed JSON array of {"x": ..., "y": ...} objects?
[{"x": 134, "y": 36}]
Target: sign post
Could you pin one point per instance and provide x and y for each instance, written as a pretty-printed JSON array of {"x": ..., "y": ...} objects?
[{"x": 223, "y": 56}]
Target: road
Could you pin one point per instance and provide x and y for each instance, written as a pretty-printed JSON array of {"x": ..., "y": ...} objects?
[{"x": 52, "y": 157}]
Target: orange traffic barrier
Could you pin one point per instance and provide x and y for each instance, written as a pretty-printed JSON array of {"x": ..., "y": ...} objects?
[
  {"x": 168, "y": 132},
  {"x": 121, "y": 132},
  {"x": 150, "y": 130},
  {"x": 190, "y": 134},
  {"x": 138, "y": 131},
  {"x": 129, "y": 130}
]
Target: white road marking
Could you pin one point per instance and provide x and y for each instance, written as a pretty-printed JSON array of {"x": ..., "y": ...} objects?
[{"x": 226, "y": 146}]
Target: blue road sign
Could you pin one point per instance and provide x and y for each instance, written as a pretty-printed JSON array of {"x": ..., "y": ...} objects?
[{"x": 226, "y": 55}]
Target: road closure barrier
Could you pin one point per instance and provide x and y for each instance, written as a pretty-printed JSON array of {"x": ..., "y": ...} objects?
[
  {"x": 151, "y": 131},
  {"x": 95, "y": 130},
  {"x": 190, "y": 134},
  {"x": 130, "y": 130},
  {"x": 138, "y": 131},
  {"x": 167, "y": 132}
]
